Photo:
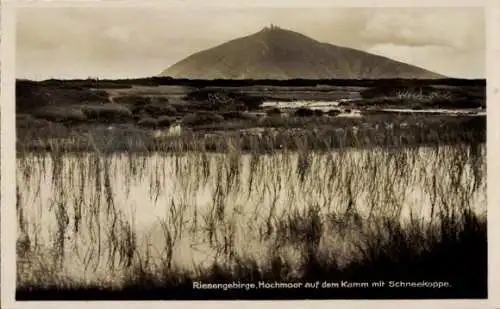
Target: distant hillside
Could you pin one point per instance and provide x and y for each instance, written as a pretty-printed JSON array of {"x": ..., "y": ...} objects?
[{"x": 275, "y": 53}]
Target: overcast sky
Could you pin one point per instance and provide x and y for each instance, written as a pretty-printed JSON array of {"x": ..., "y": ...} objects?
[{"x": 133, "y": 42}]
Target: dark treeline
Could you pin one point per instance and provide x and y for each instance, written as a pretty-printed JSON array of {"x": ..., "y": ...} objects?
[{"x": 159, "y": 81}]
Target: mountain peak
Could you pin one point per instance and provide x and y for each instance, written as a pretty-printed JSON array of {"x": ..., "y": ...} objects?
[
  {"x": 277, "y": 53},
  {"x": 271, "y": 27},
  {"x": 274, "y": 31}
]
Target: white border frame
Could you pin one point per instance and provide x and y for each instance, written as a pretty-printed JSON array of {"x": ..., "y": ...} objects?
[{"x": 8, "y": 152}]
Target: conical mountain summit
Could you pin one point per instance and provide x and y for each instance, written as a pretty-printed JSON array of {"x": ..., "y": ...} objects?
[{"x": 276, "y": 53}]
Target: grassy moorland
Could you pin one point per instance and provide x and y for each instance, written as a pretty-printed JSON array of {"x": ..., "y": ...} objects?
[
  {"x": 109, "y": 207},
  {"x": 116, "y": 117}
]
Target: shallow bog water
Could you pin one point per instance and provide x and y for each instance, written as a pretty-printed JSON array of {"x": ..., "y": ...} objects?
[
  {"x": 327, "y": 106},
  {"x": 464, "y": 111},
  {"x": 298, "y": 104},
  {"x": 88, "y": 209}
]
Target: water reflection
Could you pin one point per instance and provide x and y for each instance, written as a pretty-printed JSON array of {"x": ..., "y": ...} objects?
[{"x": 92, "y": 215}]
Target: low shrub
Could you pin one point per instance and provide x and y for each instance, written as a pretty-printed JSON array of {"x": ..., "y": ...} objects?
[
  {"x": 318, "y": 112},
  {"x": 304, "y": 112},
  {"x": 134, "y": 100},
  {"x": 157, "y": 109},
  {"x": 237, "y": 115},
  {"x": 201, "y": 119},
  {"x": 159, "y": 99},
  {"x": 107, "y": 112},
  {"x": 333, "y": 113},
  {"x": 165, "y": 121},
  {"x": 273, "y": 121},
  {"x": 273, "y": 111},
  {"x": 148, "y": 122},
  {"x": 61, "y": 114}
]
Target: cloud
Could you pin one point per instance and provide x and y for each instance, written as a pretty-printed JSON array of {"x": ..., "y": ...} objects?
[
  {"x": 461, "y": 29},
  {"x": 140, "y": 42}
]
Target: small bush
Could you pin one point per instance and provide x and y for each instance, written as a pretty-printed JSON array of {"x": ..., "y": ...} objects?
[
  {"x": 159, "y": 99},
  {"x": 23, "y": 117},
  {"x": 333, "y": 113},
  {"x": 201, "y": 119},
  {"x": 156, "y": 109},
  {"x": 237, "y": 115},
  {"x": 26, "y": 121},
  {"x": 61, "y": 114},
  {"x": 134, "y": 100},
  {"x": 107, "y": 112},
  {"x": 273, "y": 111},
  {"x": 304, "y": 112},
  {"x": 318, "y": 112},
  {"x": 91, "y": 96},
  {"x": 273, "y": 121},
  {"x": 165, "y": 121},
  {"x": 250, "y": 102},
  {"x": 148, "y": 122}
]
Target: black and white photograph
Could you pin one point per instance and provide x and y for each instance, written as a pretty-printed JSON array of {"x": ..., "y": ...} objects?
[{"x": 250, "y": 153}]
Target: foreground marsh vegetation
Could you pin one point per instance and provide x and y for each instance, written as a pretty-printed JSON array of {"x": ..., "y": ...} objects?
[
  {"x": 160, "y": 221},
  {"x": 274, "y": 133}
]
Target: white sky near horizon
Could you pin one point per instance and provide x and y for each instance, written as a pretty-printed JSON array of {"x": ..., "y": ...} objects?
[{"x": 138, "y": 42}]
